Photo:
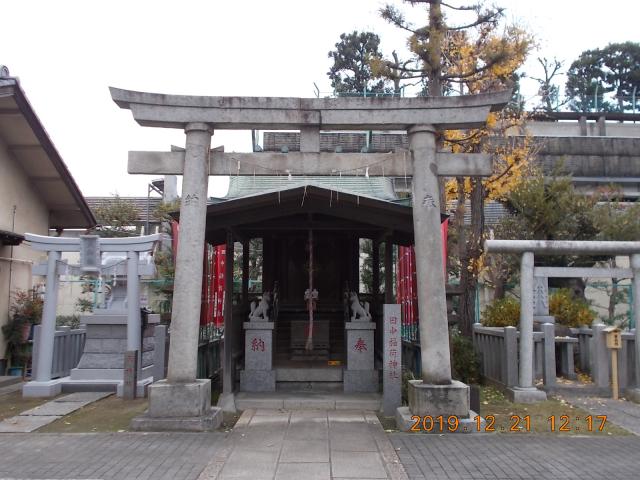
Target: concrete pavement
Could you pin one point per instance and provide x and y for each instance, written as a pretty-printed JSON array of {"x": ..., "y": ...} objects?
[
  {"x": 315, "y": 444},
  {"x": 106, "y": 456},
  {"x": 517, "y": 456},
  {"x": 623, "y": 413},
  {"x": 309, "y": 444}
]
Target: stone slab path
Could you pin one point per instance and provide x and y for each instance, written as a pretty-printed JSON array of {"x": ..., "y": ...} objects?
[
  {"x": 294, "y": 400},
  {"x": 37, "y": 417},
  {"x": 309, "y": 444}
]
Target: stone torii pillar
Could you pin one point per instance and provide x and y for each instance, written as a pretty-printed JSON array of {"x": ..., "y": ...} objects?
[
  {"x": 183, "y": 402},
  {"x": 434, "y": 333}
]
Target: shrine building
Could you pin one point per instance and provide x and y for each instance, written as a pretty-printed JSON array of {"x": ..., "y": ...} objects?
[{"x": 275, "y": 220}]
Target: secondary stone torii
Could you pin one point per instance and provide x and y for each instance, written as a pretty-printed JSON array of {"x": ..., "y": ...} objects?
[{"x": 182, "y": 401}]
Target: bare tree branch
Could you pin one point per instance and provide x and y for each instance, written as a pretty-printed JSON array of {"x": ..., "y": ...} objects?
[
  {"x": 475, "y": 7},
  {"x": 488, "y": 17}
]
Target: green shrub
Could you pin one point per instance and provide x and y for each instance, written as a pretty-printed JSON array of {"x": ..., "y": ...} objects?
[
  {"x": 504, "y": 312},
  {"x": 464, "y": 360},
  {"x": 569, "y": 310},
  {"x": 72, "y": 321},
  {"x": 84, "y": 305},
  {"x": 24, "y": 312}
]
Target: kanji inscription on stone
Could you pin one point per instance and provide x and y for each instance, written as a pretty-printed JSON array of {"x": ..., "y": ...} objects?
[
  {"x": 392, "y": 366},
  {"x": 361, "y": 345},
  {"x": 257, "y": 344}
]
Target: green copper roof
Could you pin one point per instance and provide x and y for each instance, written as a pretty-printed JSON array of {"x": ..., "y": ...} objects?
[{"x": 376, "y": 187}]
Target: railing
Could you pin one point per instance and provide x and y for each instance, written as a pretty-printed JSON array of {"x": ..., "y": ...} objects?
[
  {"x": 209, "y": 358},
  {"x": 498, "y": 352},
  {"x": 67, "y": 349},
  {"x": 209, "y": 354},
  {"x": 497, "y": 348}
]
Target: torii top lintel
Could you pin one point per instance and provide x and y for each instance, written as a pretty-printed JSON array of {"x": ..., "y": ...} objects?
[{"x": 345, "y": 113}]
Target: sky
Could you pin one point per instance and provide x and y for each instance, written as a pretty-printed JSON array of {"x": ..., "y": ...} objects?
[{"x": 67, "y": 53}]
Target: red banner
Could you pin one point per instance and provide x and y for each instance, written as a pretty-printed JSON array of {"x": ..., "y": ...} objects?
[{"x": 407, "y": 285}]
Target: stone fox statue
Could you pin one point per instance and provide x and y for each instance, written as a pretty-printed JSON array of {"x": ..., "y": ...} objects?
[
  {"x": 358, "y": 312},
  {"x": 260, "y": 312}
]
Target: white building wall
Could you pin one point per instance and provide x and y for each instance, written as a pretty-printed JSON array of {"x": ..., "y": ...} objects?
[{"x": 31, "y": 215}]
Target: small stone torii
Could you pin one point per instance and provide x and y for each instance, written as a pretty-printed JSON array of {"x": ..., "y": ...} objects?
[
  {"x": 90, "y": 248},
  {"x": 526, "y": 392},
  {"x": 199, "y": 116}
]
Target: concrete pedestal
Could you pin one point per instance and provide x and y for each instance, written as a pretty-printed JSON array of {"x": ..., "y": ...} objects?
[
  {"x": 179, "y": 407},
  {"x": 102, "y": 359},
  {"x": 361, "y": 381},
  {"x": 360, "y": 375},
  {"x": 49, "y": 388},
  {"x": 406, "y": 422},
  {"x": 434, "y": 400},
  {"x": 258, "y": 374},
  {"x": 633, "y": 394},
  {"x": 526, "y": 395}
]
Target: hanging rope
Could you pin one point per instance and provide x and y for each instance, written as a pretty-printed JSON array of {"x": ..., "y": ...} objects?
[{"x": 309, "y": 345}]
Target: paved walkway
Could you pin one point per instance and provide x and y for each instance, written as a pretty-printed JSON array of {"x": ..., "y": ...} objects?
[
  {"x": 624, "y": 413},
  {"x": 517, "y": 456},
  {"x": 298, "y": 448},
  {"x": 121, "y": 456},
  {"x": 306, "y": 444}
]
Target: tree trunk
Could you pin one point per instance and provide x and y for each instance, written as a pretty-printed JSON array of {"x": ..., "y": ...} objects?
[
  {"x": 469, "y": 269},
  {"x": 462, "y": 251},
  {"x": 499, "y": 289},
  {"x": 436, "y": 34}
]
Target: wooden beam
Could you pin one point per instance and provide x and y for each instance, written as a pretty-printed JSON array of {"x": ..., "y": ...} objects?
[
  {"x": 228, "y": 373},
  {"x": 245, "y": 272},
  {"x": 375, "y": 264},
  {"x": 388, "y": 271},
  {"x": 10, "y": 112},
  {"x": 396, "y": 164}
]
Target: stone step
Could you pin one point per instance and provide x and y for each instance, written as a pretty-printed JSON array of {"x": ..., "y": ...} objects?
[
  {"x": 310, "y": 387},
  {"x": 309, "y": 401},
  {"x": 5, "y": 381},
  {"x": 328, "y": 374}
]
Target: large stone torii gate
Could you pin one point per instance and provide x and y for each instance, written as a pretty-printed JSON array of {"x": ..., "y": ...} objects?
[{"x": 182, "y": 401}]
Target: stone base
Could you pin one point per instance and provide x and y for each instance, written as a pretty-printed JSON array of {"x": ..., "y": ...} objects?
[
  {"x": 258, "y": 381},
  {"x": 209, "y": 421},
  {"x": 361, "y": 381},
  {"x": 405, "y": 421},
  {"x": 103, "y": 385},
  {"x": 141, "y": 388},
  {"x": 525, "y": 395},
  {"x": 633, "y": 394},
  {"x": 189, "y": 399},
  {"x": 179, "y": 407},
  {"x": 50, "y": 388},
  {"x": 102, "y": 374},
  {"x": 434, "y": 400},
  {"x": 227, "y": 403}
]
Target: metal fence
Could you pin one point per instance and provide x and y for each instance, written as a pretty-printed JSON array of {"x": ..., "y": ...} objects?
[
  {"x": 209, "y": 354},
  {"x": 68, "y": 345}
]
